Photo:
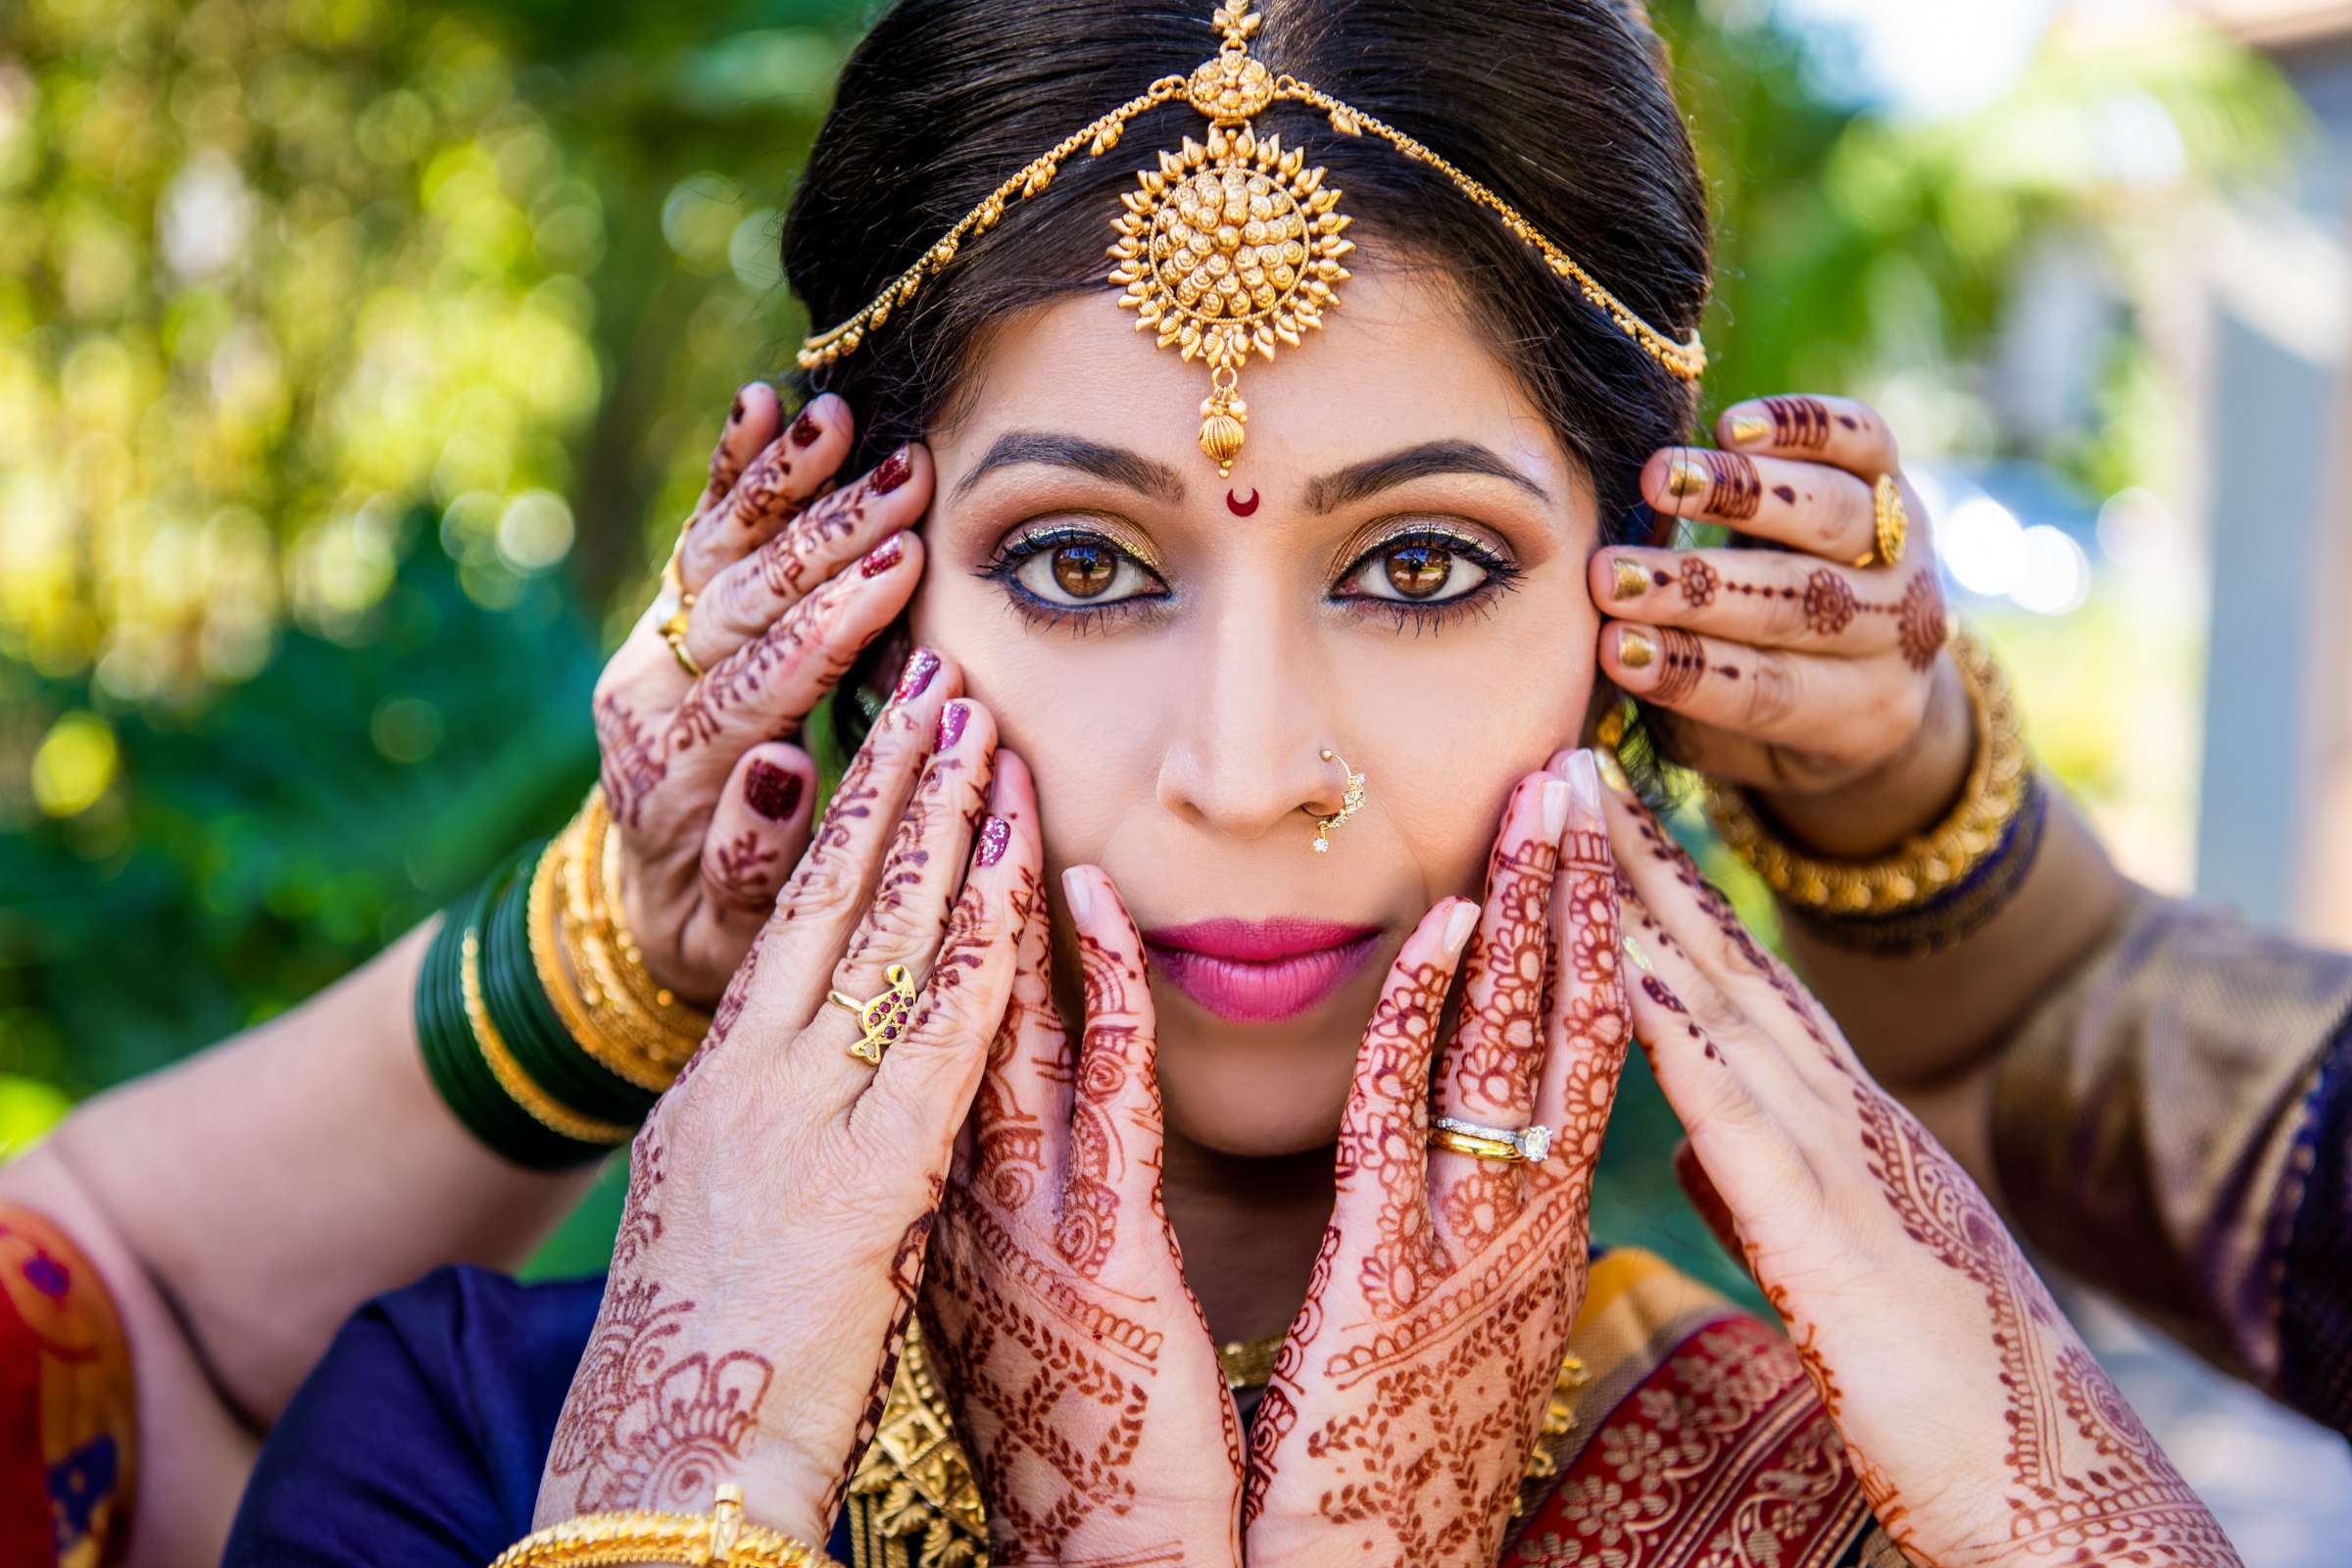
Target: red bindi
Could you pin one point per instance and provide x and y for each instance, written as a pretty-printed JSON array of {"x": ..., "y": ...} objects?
[{"x": 1240, "y": 508}]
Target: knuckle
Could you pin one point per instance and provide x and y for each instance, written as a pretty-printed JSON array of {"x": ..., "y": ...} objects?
[
  {"x": 1773, "y": 691},
  {"x": 822, "y": 883}
]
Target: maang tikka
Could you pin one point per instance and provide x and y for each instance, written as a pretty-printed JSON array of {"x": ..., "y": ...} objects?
[{"x": 1232, "y": 246}]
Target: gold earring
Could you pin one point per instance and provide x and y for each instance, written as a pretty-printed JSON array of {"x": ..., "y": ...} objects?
[{"x": 1352, "y": 801}]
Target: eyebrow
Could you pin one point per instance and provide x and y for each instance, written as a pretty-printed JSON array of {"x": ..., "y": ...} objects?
[
  {"x": 1359, "y": 481},
  {"x": 1116, "y": 464}
]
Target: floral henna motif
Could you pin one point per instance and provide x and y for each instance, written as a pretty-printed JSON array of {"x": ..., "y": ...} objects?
[
  {"x": 737, "y": 871},
  {"x": 807, "y": 548},
  {"x": 1700, "y": 581},
  {"x": 2131, "y": 1504},
  {"x": 1920, "y": 620},
  {"x": 1405, "y": 1252},
  {"x": 776, "y": 654},
  {"x": 1830, "y": 604},
  {"x": 634, "y": 762},
  {"x": 1495, "y": 1057},
  {"x": 1088, "y": 1227}
]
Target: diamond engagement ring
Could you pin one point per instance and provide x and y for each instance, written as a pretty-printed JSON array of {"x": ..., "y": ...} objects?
[{"x": 1528, "y": 1146}]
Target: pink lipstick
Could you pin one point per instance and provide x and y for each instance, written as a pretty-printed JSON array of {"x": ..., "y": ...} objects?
[{"x": 1256, "y": 971}]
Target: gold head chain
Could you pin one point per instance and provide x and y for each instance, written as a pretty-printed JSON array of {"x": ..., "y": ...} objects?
[{"x": 1233, "y": 246}]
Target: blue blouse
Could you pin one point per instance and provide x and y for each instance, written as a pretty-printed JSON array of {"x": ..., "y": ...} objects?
[{"x": 418, "y": 1439}]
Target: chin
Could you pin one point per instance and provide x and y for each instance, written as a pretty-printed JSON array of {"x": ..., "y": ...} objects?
[{"x": 1232, "y": 1099}]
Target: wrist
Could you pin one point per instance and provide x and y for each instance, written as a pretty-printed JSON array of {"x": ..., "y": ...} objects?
[{"x": 1905, "y": 795}]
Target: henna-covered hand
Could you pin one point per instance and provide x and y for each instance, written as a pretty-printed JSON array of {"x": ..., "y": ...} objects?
[
  {"x": 783, "y": 1191},
  {"x": 1823, "y": 684},
  {"x": 1981, "y": 1429},
  {"x": 1412, "y": 1384},
  {"x": 1079, "y": 1364},
  {"x": 789, "y": 578}
]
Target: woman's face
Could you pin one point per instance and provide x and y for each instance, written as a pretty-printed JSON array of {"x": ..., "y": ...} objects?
[{"x": 1394, "y": 571}]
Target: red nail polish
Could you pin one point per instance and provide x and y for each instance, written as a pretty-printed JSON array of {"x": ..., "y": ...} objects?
[
  {"x": 994, "y": 834},
  {"x": 884, "y": 556},
  {"x": 891, "y": 472},
  {"x": 917, "y": 674},
  {"x": 735, "y": 414},
  {"x": 950, "y": 725},
  {"x": 774, "y": 791},
  {"x": 805, "y": 431}
]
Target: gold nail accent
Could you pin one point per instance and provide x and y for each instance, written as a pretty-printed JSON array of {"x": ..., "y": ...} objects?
[
  {"x": 1632, "y": 581},
  {"x": 1749, "y": 428},
  {"x": 1635, "y": 651},
  {"x": 1685, "y": 477},
  {"x": 1640, "y": 959},
  {"x": 1613, "y": 773}
]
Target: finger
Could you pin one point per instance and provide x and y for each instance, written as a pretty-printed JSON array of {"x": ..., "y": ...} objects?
[
  {"x": 826, "y": 536},
  {"x": 1382, "y": 1166},
  {"x": 827, "y": 893},
  {"x": 752, "y": 424},
  {"x": 906, "y": 917},
  {"x": 774, "y": 486},
  {"x": 1587, "y": 1025},
  {"x": 1022, "y": 1121},
  {"x": 1115, "y": 1132},
  {"x": 765, "y": 687},
  {"x": 1486, "y": 1074},
  {"x": 1764, "y": 598},
  {"x": 1807, "y": 702},
  {"x": 1850, "y": 435},
  {"x": 923, "y": 1088},
  {"x": 1706, "y": 1201},
  {"x": 758, "y": 831},
  {"x": 1810, "y": 505}
]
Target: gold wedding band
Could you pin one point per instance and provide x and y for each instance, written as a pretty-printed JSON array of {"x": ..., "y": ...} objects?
[
  {"x": 881, "y": 1016},
  {"x": 1523, "y": 1147},
  {"x": 1890, "y": 524},
  {"x": 673, "y": 632}
]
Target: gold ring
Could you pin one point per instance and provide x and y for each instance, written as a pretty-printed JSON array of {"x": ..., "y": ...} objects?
[
  {"x": 1528, "y": 1146},
  {"x": 882, "y": 1016},
  {"x": 1890, "y": 524},
  {"x": 1352, "y": 801},
  {"x": 673, "y": 632}
]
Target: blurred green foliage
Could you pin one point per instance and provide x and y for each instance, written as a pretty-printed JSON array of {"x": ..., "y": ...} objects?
[{"x": 356, "y": 358}]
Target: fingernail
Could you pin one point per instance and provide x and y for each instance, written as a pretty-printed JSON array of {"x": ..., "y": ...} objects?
[
  {"x": 1584, "y": 781},
  {"x": 1634, "y": 650},
  {"x": 950, "y": 725},
  {"x": 1749, "y": 428},
  {"x": 891, "y": 472},
  {"x": 1080, "y": 892},
  {"x": 771, "y": 791},
  {"x": 884, "y": 556},
  {"x": 805, "y": 431},
  {"x": 1632, "y": 581},
  {"x": 1685, "y": 477},
  {"x": 1457, "y": 926},
  {"x": 1555, "y": 809},
  {"x": 1613, "y": 773},
  {"x": 1634, "y": 956},
  {"x": 920, "y": 668},
  {"x": 994, "y": 834}
]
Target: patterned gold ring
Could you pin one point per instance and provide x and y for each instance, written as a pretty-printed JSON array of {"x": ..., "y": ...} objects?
[
  {"x": 1890, "y": 524},
  {"x": 1525, "y": 1145},
  {"x": 883, "y": 1017},
  {"x": 673, "y": 632}
]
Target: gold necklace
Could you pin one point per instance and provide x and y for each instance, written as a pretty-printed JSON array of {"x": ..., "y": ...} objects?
[{"x": 1248, "y": 1363}]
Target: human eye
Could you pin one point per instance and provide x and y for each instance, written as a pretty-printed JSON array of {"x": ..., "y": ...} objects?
[
  {"x": 1067, "y": 574},
  {"x": 1423, "y": 574}
]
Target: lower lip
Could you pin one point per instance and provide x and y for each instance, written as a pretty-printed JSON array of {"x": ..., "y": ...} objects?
[{"x": 1248, "y": 991}]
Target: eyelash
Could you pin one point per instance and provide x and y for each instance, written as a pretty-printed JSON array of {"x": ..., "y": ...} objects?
[{"x": 1501, "y": 577}]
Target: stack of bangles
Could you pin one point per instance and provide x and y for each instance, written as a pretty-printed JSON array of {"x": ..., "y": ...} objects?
[
  {"x": 538, "y": 1021},
  {"x": 1941, "y": 885},
  {"x": 721, "y": 1537}
]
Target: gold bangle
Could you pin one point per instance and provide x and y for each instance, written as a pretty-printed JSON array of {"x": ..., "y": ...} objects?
[
  {"x": 625, "y": 1005},
  {"x": 720, "y": 1537},
  {"x": 1927, "y": 863},
  {"x": 519, "y": 1086},
  {"x": 556, "y": 978}
]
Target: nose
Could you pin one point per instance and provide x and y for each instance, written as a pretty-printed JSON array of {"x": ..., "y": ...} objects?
[{"x": 1244, "y": 756}]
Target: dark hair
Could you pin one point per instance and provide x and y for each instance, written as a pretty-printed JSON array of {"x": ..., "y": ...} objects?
[{"x": 1561, "y": 107}]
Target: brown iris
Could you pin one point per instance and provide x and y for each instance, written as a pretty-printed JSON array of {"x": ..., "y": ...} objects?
[
  {"x": 1419, "y": 570},
  {"x": 1084, "y": 569}
]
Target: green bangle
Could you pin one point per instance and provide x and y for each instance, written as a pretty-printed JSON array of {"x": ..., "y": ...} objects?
[
  {"x": 452, "y": 1052},
  {"x": 542, "y": 1047}
]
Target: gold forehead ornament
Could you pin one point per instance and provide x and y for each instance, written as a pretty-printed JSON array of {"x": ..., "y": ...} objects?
[{"x": 1232, "y": 246}]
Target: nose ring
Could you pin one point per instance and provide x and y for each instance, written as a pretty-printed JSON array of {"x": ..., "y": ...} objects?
[{"x": 1352, "y": 801}]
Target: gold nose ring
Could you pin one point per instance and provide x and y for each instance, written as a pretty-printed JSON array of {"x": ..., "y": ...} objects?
[{"x": 1352, "y": 801}]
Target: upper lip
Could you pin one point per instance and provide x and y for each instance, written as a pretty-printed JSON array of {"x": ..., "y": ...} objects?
[{"x": 1258, "y": 941}]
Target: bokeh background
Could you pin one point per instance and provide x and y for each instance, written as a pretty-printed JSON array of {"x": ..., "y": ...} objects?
[{"x": 358, "y": 358}]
